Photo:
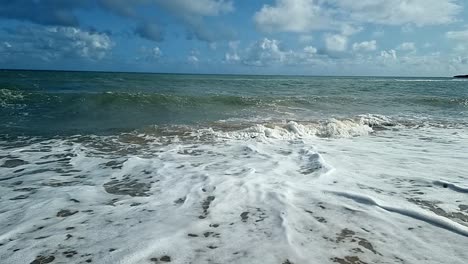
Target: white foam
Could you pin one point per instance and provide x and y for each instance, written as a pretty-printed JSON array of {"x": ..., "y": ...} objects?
[
  {"x": 413, "y": 212},
  {"x": 332, "y": 128},
  {"x": 264, "y": 194}
]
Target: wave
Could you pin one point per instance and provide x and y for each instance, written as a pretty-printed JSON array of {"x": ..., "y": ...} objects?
[
  {"x": 57, "y": 113},
  {"x": 14, "y": 96},
  {"x": 423, "y": 80},
  {"x": 9, "y": 96},
  {"x": 440, "y": 101},
  {"x": 331, "y": 128}
]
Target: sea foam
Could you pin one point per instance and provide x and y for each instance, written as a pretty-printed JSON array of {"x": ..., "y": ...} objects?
[{"x": 265, "y": 193}]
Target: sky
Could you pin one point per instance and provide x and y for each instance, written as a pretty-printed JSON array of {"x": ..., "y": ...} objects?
[{"x": 299, "y": 37}]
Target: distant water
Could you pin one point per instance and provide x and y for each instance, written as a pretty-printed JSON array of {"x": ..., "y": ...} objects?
[
  {"x": 58, "y": 103},
  {"x": 146, "y": 168}
]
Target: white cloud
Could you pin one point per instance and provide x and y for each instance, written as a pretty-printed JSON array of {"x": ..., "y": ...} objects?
[
  {"x": 365, "y": 46},
  {"x": 156, "y": 52},
  {"x": 271, "y": 53},
  {"x": 149, "y": 54},
  {"x": 348, "y": 30},
  {"x": 460, "y": 60},
  {"x": 192, "y": 59},
  {"x": 51, "y": 43},
  {"x": 292, "y": 16},
  {"x": 407, "y": 46},
  {"x": 265, "y": 52},
  {"x": 234, "y": 44},
  {"x": 310, "y": 50},
  {"x": 198, "y": 7},
  {"x": 190, "y": 13},
  {"x": 336, "y": 42},
  {"x": 6, "y": 44},
  {"x": 86, "y": 44},
  {"x": 458, "y": 35},
  {"x": 307, "y": 15},
  {"x": 231, "y": 57},
  {"x": 459, "y": 39},
  {"x": 400, "y": 12},
  {"x": 388, "y": 55},
  {"x": 268, "y": 52}
]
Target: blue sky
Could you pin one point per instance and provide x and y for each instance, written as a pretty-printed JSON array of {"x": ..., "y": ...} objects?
[{"x": 311, "y": 37}]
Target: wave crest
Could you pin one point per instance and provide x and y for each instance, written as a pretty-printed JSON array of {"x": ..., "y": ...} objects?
[{"x": 332, "y": 128}]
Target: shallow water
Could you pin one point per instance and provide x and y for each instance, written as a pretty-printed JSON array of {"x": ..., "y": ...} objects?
[{"x": 130, "y": 168}]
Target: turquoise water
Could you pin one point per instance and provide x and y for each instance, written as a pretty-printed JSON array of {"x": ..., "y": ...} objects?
[{"x": 63, "y": 103}]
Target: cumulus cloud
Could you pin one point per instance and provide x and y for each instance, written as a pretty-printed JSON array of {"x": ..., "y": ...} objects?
[
  {"x": 272, "y": 53},
  {"x": 388, "y": 55},
  {"x": 365, "y": 46},
  {"x": 269, "y": 52},
  {"x": 460, "y": 60},
  {"x": 6, "y": 45},
  {"x": 348, "y": 30},
  {"x": 310, "y": 50},
  {"x": 63, "y": 13},
  {"x": 92, "y": 45},
  {"x": 461, "y": 35},
  {"x": 308, "y": 15},
  {"x": 407, "y": 46},
  {"x": 49, "y": 43},
  {"x": 459, "y": 39},
  {"x": 400, "y": 12},
  {"x": 197, "y": 8},
  {"x": 232, "y": 55},
  {"x": 265, "y": 52},
  {"x": 339, "y": 42},
  {"x": 156, "y": 52},
  {"x": 193, "y": 57},
  {"x": 123, "y": 8},
  {"x": 192, "y": 14},
  {"x": 149, "y": 54},
  {"x": 336, "y": 42},
  {"x": 292, "y": 16}
]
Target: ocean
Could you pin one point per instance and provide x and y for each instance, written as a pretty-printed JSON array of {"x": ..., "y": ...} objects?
[{"x": 155, "y": 168}]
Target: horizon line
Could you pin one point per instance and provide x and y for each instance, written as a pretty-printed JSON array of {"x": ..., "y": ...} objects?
[{"x": 229, "y": 74}]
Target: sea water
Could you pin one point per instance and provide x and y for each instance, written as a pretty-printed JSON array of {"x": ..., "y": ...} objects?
[{"x": 155, "y": 168}]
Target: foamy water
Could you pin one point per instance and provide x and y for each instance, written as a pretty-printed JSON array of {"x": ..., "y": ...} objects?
[
  {"x": 367, "y": 188},
  {"x": 258, "y": 195}
]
